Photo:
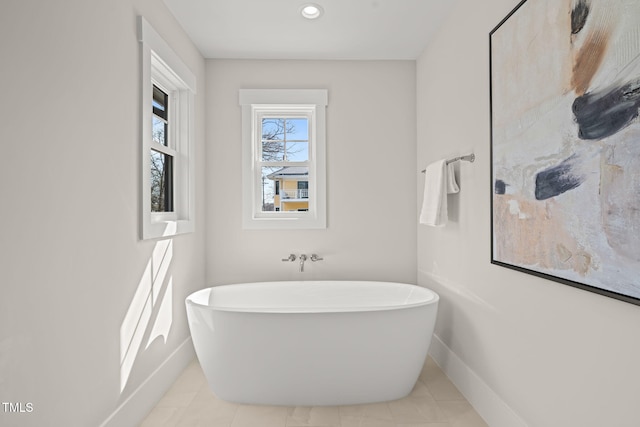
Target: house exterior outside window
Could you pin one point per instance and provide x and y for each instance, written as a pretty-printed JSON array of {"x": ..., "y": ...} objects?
[{"x": 292, "y": 189}]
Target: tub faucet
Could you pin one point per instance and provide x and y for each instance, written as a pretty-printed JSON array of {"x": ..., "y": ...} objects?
[
  {"x": 303, "y": 258},
  {"x": 291, "y": 258},
  {"x": 315, "y": 257}
]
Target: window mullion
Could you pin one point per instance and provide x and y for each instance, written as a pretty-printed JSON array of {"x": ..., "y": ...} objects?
[
  {"x": 163, "y": 149},
  {"x": 282, "y": 164}
]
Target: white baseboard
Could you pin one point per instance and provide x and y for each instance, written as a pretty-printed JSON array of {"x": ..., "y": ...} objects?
[
  {"x": 133, "y": 410},
  {"x": 485, "y": 401}
]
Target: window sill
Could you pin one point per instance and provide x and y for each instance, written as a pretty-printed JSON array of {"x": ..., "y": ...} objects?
[
  {"x": 283, "y": 223},
  {"x": 167, "y": 228}
]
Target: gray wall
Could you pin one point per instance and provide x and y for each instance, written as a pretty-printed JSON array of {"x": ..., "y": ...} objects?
[
  {"x": 75, "y": 282},
  {"x": 371, "y": 185},
  {"x": 556, "y": 355}
]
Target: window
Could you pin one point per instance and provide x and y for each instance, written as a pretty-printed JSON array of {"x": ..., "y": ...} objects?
[
  {"x": 168, "y": 90},
  {"x": 283, "y": 159},
  {"x": 161, "y": 155},
  {"x": 284, "y": 181}
]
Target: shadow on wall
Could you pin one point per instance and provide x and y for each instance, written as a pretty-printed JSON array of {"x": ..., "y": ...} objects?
[{"x": 150, "y": 314}]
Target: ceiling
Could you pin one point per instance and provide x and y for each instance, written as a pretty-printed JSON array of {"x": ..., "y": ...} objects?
[{"x": 274, "y": 29}]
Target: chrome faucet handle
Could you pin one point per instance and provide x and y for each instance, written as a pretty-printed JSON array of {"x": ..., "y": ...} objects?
[
  {"x": 315, "y": 258},
  {"x": 291, "y": 258}
]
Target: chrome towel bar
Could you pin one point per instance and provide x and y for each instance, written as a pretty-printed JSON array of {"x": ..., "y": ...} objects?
[{"x": 468, "y": 158}]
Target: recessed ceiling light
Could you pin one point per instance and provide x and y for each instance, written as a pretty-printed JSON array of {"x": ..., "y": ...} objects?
[{"x": 311, "y": 11}]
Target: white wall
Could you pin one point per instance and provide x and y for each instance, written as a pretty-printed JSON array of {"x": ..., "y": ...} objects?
[
  {"x": 371, "y": 182},
  {"x": 556, "y": 355},
  {"x": 74, "y": 277}
]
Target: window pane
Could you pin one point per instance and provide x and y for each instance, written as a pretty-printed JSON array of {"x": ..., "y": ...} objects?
[
  {"x": 161, "y": 182},
  {"x": 270, "y": 188},
  {"x": 160, "y": 123},
  {"x": 297, "y": 151},
  {"x": 273, "y": 132},
  {"x": 272, "y": 151},
  {"x": 273, "y": 128},
  {"x": 160, "y": 101},
  {"x": 297, "y": 129},
  {"x": 292, "y": 185},
  {"x": 159, "y": 130}
]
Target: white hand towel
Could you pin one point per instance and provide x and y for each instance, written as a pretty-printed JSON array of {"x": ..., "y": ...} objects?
[
  {"x": 439, "y": 181},
  {"x": 452, "y": 185}
]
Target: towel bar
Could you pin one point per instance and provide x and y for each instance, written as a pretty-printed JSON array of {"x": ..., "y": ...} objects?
[{"x": 468, "y": 158}]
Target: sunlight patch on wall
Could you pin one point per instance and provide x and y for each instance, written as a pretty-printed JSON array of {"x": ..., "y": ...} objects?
[
  {"x": 164, "y": 318},
  {"x": 150, "y": 313}
]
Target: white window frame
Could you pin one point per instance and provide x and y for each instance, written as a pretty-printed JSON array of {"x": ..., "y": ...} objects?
[
  {"x": 163, "y": 68},
  {"x": 310, "y": 103}
]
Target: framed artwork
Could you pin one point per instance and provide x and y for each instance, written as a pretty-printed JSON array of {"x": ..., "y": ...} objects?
[{"x": 565, "y": 143}]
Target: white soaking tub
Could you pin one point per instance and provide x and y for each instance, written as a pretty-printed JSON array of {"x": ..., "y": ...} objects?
[{"x": 312, "y": 343}]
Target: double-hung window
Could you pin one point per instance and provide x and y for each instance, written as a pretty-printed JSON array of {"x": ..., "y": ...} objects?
[
  {"x": 284, "y": 177},
  {"x": 161, "y": 155},
  {"x": 168, "y": 91}
]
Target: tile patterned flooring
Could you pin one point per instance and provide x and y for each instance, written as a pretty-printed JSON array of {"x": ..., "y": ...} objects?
[{"x": 434, "y": 402}]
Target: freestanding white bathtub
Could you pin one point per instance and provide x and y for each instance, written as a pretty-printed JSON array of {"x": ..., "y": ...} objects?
[{"x": 312, "y": 343}]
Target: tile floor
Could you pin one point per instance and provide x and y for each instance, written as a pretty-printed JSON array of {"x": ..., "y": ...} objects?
[{"x": 434, "y": 402}]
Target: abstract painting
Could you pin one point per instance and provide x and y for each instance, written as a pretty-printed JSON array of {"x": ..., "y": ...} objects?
[{"x": 565, "y": 143}]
